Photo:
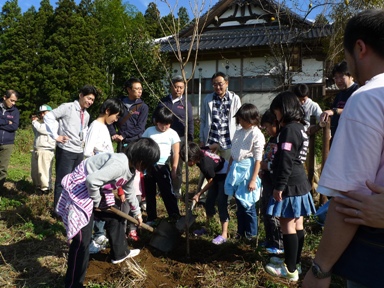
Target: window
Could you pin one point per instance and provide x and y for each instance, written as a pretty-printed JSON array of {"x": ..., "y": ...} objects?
[{"x": 260, "y": 83}]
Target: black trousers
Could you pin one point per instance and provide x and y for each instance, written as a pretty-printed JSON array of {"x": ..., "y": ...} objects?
[
  {"x": 273, "y": 235},
  {"x": 160, "y": 174},
  {"x": 66, "y": 162},
  {"x": 78, "y": 256}
]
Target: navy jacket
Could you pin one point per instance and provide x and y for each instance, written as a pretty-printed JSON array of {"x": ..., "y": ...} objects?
[
  {"x": 178, "y": 108},
  {"x": 8, "y": 131},
  {"x": 134, "y": 127}
]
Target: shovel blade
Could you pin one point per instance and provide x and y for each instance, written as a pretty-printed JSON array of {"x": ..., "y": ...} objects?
[
  {"x": 183, "y": 225},
  {"x": 165, "y": 237}
]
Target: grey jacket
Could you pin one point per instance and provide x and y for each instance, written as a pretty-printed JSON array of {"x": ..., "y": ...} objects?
[
  {"x": 109, "y": 171},
  {"x": 206, "y": 115},
  {"x": 68, "y": 116}
]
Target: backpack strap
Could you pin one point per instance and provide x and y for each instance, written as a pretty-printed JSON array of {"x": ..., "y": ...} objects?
[{"x": 130, "y": 112}]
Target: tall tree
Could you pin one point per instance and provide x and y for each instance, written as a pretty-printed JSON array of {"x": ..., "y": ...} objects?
[
  {"x": 183, "y": 17},
  {"x": 115, "y": 25},
  {"x": 73, "y": 54},
  {"x": 41, "y": 26},
  {"x": 152, "y": 20},
  {"x": 27, "y": 60},
  {"x": 10, "y": 45},
  {"x": 341, "y": 12},
  {"x": 127, "y": 47}
]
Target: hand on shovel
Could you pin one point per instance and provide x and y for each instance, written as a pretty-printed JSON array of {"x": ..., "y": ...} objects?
[
  {"x": 139, "y": 219},
  {"x": 196, "y": 197}
]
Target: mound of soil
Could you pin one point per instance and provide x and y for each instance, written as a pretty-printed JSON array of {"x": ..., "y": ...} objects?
[{"x": 176, "y": 268}]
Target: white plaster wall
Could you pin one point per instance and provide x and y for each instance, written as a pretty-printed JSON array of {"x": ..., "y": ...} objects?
[{"x": 312, "y": 72}]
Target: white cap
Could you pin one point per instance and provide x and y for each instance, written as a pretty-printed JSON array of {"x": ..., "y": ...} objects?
[{"x": 45, "y": 107}]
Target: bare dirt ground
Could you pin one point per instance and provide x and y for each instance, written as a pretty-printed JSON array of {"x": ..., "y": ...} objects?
[{"x": 29, "y": 257}]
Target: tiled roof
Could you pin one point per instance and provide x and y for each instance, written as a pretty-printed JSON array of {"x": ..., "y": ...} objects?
[{"x": 248, "y": 37}]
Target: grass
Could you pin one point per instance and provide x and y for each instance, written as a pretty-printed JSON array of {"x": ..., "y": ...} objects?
[{"x": 33, "y": 246}]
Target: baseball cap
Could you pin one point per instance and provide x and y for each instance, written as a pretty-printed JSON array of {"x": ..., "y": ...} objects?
[{"x": 45, "y": 107}]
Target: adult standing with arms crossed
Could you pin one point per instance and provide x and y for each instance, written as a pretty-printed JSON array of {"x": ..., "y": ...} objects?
[
  {"x": 130, "y": 127},
  {"x": 348, "y": 249},
  {"x": 178, "y": 105},
  {"x": 73, "y": 121},
  {"x": 131, "y": 124},
  {"x": 9, "y": 122}
]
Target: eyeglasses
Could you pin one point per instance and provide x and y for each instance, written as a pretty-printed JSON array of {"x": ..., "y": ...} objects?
[
  {"x": 336, "y": 78},
  {"x": 219, "y": 84},
  {"x": 137, "y": 89}
]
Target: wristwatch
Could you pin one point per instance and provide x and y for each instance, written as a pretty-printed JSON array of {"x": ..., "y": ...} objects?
[
  {"x": 335, "y": 111},
  {"x": 316, "y": 270}
]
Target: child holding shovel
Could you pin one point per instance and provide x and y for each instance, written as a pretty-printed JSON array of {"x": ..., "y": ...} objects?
[
  {"x": 214, "y": 168},
  {"x": 90, "y": 186}
]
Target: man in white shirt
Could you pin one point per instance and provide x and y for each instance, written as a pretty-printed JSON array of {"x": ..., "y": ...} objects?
[{"x": 357, "y": 155}]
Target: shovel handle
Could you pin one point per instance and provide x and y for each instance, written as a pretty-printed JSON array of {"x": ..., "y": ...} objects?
[
  {"x": 193, "y": 205},
  {"x": 130, "y": 218}
]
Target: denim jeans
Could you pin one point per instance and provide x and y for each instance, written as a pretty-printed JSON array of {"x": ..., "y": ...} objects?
[
  {"x": 362, "y": 262},
  {"x": 66, "y": 162},
  {"x": 246, "y": 220},
  {"x": 98, "y": 228},
  {"x": 351, "y": 284}
]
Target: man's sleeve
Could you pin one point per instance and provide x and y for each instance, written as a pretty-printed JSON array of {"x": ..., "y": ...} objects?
[
  {"x": 15, "y": 122},
  {"x": 50, "y": 123},
  {"x": 137, "y": 131}
]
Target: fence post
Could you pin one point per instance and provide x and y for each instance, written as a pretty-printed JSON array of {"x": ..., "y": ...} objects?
[
  {"x": 325, "y": 150},
  {"x": 326, "y": 141},
  {"x": 311, "y": 152}
]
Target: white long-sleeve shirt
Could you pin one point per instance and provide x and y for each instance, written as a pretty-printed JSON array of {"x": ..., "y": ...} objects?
[
  {"x": 247, "y": 143},
  {"x": 98, "y": 140},
  {"x": 42, "y": 138}
]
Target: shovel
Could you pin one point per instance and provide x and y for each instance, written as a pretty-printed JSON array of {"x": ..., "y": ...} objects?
[
  {"x": 182, "y": 223},
  {"x": 164, "y": 236}
]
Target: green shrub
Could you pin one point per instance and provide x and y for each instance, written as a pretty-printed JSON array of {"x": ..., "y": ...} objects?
[{"x": 24, "y": 141}]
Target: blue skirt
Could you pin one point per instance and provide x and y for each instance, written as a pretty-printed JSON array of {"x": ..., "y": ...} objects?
[{"x": 292, "y": 207}]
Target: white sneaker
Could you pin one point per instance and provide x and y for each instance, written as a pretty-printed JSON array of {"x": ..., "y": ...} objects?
[
  {"x": 94, "y": 247},
  {"x": 282, "y": 271},
  {"x": 102, "y": 240},
  {"x": 132, "y": 253},
  {"x": 279, "y": 261}
]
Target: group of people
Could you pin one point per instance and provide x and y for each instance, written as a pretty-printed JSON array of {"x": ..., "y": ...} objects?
[
  {"x": 90, "y": 177},
  {"x": 232, "y": 157}
]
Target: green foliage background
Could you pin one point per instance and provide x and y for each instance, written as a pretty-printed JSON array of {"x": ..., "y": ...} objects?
[{"x": 49, "y": 54}]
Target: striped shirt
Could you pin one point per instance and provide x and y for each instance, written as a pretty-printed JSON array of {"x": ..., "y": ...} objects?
[{"x": 75, "y": 206}]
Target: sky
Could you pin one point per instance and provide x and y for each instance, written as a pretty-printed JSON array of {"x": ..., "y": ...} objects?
[{"x": 141, "y": 5}]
